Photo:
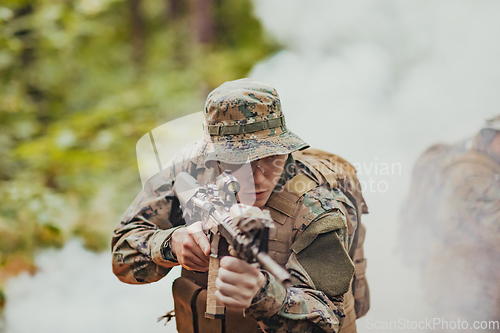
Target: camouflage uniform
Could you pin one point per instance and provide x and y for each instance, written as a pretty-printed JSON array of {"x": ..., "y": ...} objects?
[
  {"x": 454, "y": 205},
  {"x": 318, "y": 213}
]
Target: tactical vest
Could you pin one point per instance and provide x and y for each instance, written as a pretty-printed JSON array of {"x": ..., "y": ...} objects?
[
  {"x": 189, "y": 290},
  {"x": 337, "y": 172}
]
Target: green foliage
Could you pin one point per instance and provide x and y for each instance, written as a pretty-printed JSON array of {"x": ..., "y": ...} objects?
[
  {"x": 93, "y": 239},
  {"x": 80, "y": 82},
  {"x": 2, "y": 298}
]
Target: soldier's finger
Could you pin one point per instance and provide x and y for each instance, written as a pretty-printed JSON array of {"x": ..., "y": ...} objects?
[
  {"x": 199, "y": 237},
  {"x": 185, "y": 246},
  {"x": 240, "y": 280},
  {"x": 195, "y": 264},
  {"x": 233, "y": 291},
  {"x": 193, "y": 248},
  {"x": 196, "y": 256},
  {"x": 196, "y": 268},
  {"x": 230, "y": 302},
  {"x": 238, "y": 266}
]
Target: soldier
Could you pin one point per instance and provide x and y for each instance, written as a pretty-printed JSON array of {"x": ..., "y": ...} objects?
[
  {"x": 313, "y": 198},
  {"x": 452, "y": 225}
]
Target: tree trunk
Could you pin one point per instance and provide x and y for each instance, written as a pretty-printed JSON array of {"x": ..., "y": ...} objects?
[
  {"x": 202, "y": 20},
  {"x": 173, "y": 9},
  {"x": 137, "y": 33}
]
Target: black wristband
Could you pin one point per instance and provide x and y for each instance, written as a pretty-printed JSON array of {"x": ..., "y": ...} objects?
[{"x": 166, "y": 251}]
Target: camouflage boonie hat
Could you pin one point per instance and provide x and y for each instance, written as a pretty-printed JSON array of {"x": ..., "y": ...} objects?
[{"x": 243, "y": 123}]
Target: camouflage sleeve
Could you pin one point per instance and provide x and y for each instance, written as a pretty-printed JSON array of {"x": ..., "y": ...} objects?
[
  {"x": 301, "y": 308},
  {"x": 145, "y": 227},
  {"x": 324, "y": 201}
]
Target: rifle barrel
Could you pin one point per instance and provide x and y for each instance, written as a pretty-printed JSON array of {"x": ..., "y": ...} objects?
[{"x": 279, "y": 273}]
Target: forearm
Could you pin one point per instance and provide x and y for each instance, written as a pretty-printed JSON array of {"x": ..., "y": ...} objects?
[
  {"x": 297, "y": 309},
  {"x": 137, "y": 253},
  {"x": 301, "y": 308},
  {"x": 148, "y": 222}
]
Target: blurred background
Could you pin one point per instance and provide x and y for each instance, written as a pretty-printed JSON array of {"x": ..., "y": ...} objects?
[{"x": 82, "y": 81}]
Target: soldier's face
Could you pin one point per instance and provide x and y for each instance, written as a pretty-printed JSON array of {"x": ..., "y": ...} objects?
[{"x": 257, "y": 179}]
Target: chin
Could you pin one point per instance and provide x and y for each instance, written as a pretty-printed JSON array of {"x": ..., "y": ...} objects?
[
  {"x": 251, "y": 200},
  {"x": 260, "y": 202},
  {"x": 247, "y": 200}
]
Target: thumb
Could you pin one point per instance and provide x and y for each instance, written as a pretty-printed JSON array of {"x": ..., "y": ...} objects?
[{"x": 200, "y": 237}]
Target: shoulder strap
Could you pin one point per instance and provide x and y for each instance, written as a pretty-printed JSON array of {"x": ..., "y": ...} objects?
[
  {"x": 336, "y": 171},
  {"x": 286, "y": 201},
  {"x": 300, "y": 184},
  {"x": 319, "y": 169}
]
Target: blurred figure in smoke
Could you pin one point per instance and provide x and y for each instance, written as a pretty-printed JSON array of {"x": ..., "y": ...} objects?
[{"x": 452, "y": 225}]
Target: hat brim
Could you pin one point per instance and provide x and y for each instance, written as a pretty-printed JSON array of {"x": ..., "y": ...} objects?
[{"x": 248, "y": 150}]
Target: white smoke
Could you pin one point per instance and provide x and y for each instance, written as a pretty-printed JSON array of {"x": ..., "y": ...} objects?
[
  {"x": 409, "y": 67},
  {"x": 75, "y": 291},
  {"x": 376, "y": 82}
]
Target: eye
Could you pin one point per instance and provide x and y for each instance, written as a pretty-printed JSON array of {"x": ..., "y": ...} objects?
[{"x": 270, "y": 158}]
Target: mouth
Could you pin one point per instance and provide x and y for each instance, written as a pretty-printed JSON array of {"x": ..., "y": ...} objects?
[{"x": 259, "y": 194}]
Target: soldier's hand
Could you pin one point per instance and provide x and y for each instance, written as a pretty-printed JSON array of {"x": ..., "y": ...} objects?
[
  {"x": 191, "y": 247},
  {"x": 238, "y": 282}
]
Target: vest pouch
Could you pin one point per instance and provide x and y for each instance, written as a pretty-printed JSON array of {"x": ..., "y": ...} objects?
[
  {"x": 184, "y": 292},
  {"x": 349, "y": 323},
  {"x": 234, "y": 319},
  {"x": 360, "y": 288},
  {"x": 205, "y": 325},
  {"x": 189, "y": 304}
]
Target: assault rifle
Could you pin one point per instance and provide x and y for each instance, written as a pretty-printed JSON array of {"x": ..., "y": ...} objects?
[{"x": 244, "y": 229}]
